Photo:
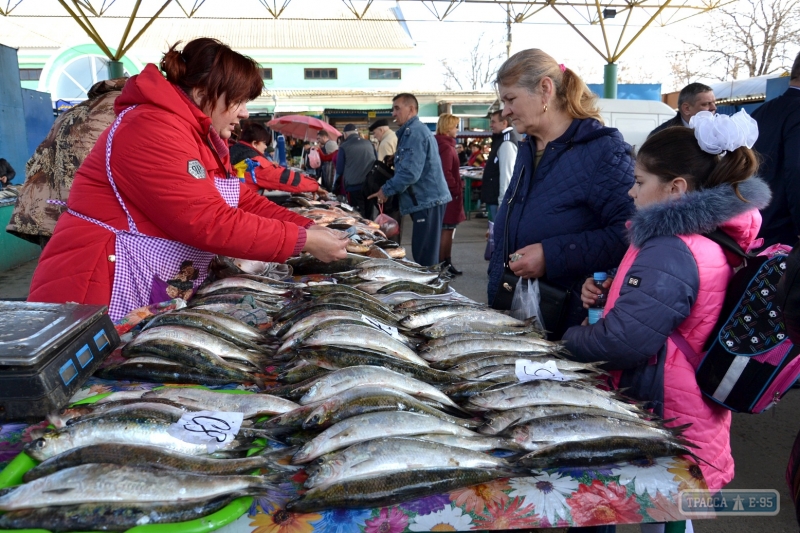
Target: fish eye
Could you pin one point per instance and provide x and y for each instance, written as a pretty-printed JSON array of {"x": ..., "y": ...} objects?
[{"x": 40, "y": 443}]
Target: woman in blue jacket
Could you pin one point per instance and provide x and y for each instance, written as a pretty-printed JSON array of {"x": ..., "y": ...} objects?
[{"x": 570, "y": 183}]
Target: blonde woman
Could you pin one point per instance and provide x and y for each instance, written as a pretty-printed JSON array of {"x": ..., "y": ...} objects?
[{"x": 446, "y": 131}]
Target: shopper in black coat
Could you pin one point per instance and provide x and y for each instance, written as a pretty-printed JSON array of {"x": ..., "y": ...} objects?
[{"x": 778, "y": 145}]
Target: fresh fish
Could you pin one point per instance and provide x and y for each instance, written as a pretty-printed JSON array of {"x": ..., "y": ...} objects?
[
  {"x": 456, "y": 337},
  {"x": 336, "y": 357},
  {"x": 476, "y": 444},
  {"x": 395, "y": 273},
  {"x": 508, "y": 374},
  {"x": 195, "y": 338},
  {"x": 431, "y": 315},
  {"x": 391, "y": 489},
  {"x": 359, "y": 336},
  {"x": 151, "y": 431},
  {"x": 316, "y": 319},
  {"x": 241, "y": 283},
  {"x": 363, "y": 400},
  {"x": 224, "y": 327},
  {"x": 500, "y": 420},
  {"x": 370, "y": 426},
  {"x": 133, "y": 408},
  {"x": 417, "y": 304},
  {"x": 296, "y": 339},
  {"x": 307, "y": 264},
  {"x": 251, "y": 405},
  {"x": 546, "y": 392},
  {"x": 403, "y": 285},
  {"x": 302, "y": 371},
  {"x": 166, "y": 373},
  {"x": 392, "y": 264},
  {"x": 331, "y": 288},
  {"x": 476, "y": 323},
  {"x": 603, "y": 451},
  {"x": 522, "y": 344},
  {"x": 148, "y": 359},
  {"x": 511, "y": 359},
  {"x": 152, "y": 457},
  {"x": 290, "y": 421},
  {"x": 541, "y": 432},
  {"x": 64, "y": 416},
  {"x": 359, "y": 376},
  {"x": 111, "y": 516},
  {"x": 201, "y": 359},
  {"x": 99, "y": 483},
  {"x": 387, "y": 455}
]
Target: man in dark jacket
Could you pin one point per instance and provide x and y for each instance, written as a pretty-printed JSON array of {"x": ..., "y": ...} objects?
[
  {"x": 500, "y": 163},
  {"x": 7, "y": 173},
  {"x": 356, "y": 157},
  {"x": 692, "y": 99},
  {"x": 778, "y": 145}
]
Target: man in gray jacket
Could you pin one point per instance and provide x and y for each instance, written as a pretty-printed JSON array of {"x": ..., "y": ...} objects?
[
  {"x": 355, "y": 159},
  {"x": 418, "y": 179}
]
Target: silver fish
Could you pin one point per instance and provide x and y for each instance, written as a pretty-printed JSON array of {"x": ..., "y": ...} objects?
[
  {"x": 362, "y": 337},
  {"x": 433, "y": 315},
  {"x": 251, "y": 405},
  {"x": 359, "y": 376},
  {"x": 476, "y": 444},
  {"x": 486, "y": 323},
  {"x": 371, "y": 426},
  {"x": 386, "y": 455},
  {"x": 241, "y": 283},
  {"x": 395, "y": 273},
  {"x": 500, "y": 420},
  {"x": 523, "y": 344},
  {"x": 112, "y": 483}
]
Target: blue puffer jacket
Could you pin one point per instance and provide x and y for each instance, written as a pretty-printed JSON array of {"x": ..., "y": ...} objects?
[
  {"x": 418, "y": 176},
  {"x": 575, "y": 204}
]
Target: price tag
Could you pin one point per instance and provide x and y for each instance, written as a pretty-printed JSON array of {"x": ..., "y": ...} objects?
[
  {"x": 383, "y": 327},
  {"x": 215, "y": 429},
  {"x": 530, "y": 370}
]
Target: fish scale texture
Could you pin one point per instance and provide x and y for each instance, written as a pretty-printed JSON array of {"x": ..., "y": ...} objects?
[{"x": 576, "y": 203}]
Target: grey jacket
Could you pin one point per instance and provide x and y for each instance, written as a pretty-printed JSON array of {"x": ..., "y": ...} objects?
[
  {"x": 418, "y": 176},
  {"x": 355, "y": 159}
]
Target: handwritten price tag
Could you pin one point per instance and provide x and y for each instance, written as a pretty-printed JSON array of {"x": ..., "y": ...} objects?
[
  {"x": 530, "y": 370},
  {"x": 215, "y": 429},
  {"x": 391, "y": 330}
]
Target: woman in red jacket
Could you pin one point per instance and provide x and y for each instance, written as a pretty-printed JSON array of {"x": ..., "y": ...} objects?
[
  {"x": 446, "y": 131},
  {"x": 259, "y": 173},
  {"x": 155, "y": 196}
]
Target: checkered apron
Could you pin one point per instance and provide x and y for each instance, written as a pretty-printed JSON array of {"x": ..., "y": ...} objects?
[{"x": 145, "y": 264}]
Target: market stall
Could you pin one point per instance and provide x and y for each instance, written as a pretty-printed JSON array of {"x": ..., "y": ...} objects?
[
  {"x": 366, "y": 394},
  {"x": 472, "y": 177}
]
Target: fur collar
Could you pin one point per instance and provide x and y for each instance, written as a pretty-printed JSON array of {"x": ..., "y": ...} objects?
[{"x": 697, "y": 212}]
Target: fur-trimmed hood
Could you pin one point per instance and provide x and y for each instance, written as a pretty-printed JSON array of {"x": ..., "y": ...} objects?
[{"x": 701, "y": 212}]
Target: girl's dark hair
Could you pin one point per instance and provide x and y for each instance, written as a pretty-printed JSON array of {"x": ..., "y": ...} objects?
[
  {"x": 215, "y": 69},
  {"x": 674, "y": 152},
  {"x": 253, "y": 132}
]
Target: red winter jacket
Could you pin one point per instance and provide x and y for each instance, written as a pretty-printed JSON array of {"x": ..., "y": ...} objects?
[
  {"x": 152, "y": 149},
  {"x": 269, "y": 175},
  {"x": 454, "y": 212}
]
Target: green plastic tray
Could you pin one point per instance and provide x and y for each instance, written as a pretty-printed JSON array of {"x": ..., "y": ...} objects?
[{"x": 12, "y": 475}]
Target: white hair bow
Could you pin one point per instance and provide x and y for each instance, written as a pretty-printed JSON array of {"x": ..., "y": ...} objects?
[{"x": 722, "y": 133}]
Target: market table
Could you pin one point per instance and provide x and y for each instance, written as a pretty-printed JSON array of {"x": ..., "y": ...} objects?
[
  {"x": 616, "y": 494},
  {"x": 470, "y": 175}
]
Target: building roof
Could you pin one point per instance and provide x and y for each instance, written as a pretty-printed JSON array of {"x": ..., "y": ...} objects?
[
  {"x": 750, "y": 89},
  {"x": 381, "y": 31}
]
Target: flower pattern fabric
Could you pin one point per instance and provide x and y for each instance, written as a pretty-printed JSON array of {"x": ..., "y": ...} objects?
[{"x": 547, "y": 493}]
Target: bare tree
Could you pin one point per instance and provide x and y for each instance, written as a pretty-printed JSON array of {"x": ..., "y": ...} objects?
[
  {"x": 751, "y": 37},
  {"x": 684, "y": 68},
  {"x": 477, "y": 70}
]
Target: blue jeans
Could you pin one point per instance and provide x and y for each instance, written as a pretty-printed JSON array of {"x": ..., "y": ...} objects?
[{"x": 492, "y": 210}]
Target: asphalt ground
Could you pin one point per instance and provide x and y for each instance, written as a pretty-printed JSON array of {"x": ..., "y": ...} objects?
[{"x": 760, "y": 443}]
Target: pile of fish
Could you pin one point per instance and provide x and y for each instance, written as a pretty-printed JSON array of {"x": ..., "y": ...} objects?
[
  {"x": 114, "y": 464},
  {"x": 383, "y": 385},
  {"x": 365, "y": 235}
]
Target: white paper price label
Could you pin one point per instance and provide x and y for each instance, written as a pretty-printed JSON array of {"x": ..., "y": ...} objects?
[
  {"x": 212, "y": 428},
  {"x": 530, "y": 370},
  {"x": 391, "y": 330}
]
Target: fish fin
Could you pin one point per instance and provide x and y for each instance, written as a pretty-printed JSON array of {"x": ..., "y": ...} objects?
[{"x": 678, "y": 430}]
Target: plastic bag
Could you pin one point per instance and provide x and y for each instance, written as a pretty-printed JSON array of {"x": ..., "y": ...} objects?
[
  {"x": 313, "y": 159},
  {"x": 487, "y": 253},
  {"x": 525, "y": 303},
  {"x": 389, "y": 226}
]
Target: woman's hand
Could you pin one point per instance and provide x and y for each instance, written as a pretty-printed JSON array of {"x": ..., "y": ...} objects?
[
  {"x": 325, "y": 244},
  {"x": 528, "y": 262},
  {"x": 590, "y": 291}
]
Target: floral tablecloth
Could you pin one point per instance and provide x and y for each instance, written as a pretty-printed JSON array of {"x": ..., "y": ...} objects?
[{"x": 616, "y": 494}]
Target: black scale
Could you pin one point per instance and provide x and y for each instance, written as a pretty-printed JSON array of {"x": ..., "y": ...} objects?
[{"x": 47, "y": 351}]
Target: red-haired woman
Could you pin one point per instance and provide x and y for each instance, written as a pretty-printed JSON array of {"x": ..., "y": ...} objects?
[{"x": 156, "y": 191}]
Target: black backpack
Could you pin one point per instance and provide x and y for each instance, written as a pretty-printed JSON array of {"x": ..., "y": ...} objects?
[{"x": 749, "y": 360}]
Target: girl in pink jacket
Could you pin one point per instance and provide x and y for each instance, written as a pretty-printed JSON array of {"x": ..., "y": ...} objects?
[{"x": 689, "y": 182}]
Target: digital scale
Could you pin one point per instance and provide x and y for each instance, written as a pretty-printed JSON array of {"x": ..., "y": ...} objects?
[{"x": 47, "y": 351}]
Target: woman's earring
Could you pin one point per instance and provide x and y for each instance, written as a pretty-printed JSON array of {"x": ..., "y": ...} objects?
[{"x": 544, "y": 110}]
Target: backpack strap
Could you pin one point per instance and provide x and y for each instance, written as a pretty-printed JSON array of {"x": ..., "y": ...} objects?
[
  {"x": 728, "y": 243},
  {"x": 683, "y": 345}
]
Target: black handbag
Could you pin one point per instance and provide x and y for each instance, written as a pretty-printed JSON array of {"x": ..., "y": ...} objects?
[
  {"x": 379, "y": 174},
  {"x": 555, "y": 299}
]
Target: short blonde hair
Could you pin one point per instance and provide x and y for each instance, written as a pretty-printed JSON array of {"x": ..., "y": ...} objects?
[
  {"x": 446, "y": 123},
  {"x": 527, "y": 68}
]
